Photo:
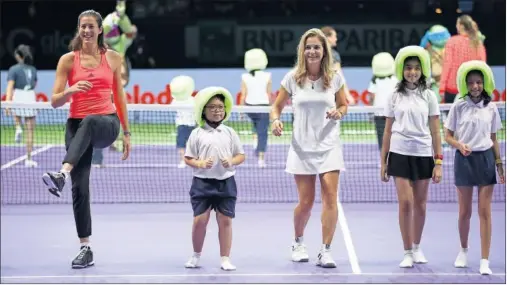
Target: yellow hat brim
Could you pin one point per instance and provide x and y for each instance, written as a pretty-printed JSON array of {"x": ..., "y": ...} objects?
[
  {"x": 410, "y": 51},
  {"x": 202, "y": 98},
  {"x": 465, "y": 68}
]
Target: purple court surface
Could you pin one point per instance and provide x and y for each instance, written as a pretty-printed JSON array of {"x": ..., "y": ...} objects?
[{"x": 142, "y": 225}]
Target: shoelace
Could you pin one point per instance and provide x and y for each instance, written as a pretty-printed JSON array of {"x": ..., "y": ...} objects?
[
  {"x": 82, "y": 253},
  {"x": 299, "y": 247}
]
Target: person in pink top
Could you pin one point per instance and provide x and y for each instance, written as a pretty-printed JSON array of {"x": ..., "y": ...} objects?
[
  {"x": 93, "y": 73},
  {"x": 465, "y": 46}
]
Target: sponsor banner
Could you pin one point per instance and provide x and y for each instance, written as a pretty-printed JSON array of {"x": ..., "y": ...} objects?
[
  {"x": 152, "y": 86},
  {"x": 282, "y": 40}
]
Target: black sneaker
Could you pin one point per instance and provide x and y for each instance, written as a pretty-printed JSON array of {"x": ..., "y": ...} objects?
[
  {"x": 55, "y": 181},
  {"x": 84, "y": 258}
]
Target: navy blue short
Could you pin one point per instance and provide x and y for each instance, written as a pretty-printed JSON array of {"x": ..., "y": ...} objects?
[
  {"x": 477, "y": 169},
  {"x": 219, "y": 195},
  {"x": 182, "y": 135}
]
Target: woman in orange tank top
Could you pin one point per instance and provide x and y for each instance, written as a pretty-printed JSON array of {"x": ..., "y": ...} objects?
[{"x": 93, "y": 73}]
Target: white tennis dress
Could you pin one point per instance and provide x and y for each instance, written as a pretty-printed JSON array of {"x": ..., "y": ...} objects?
[{"x": 315, "y": 147}]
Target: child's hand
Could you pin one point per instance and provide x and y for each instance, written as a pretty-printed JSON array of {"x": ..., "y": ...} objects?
[
  {"x": 206, "y": 163},
  {"x": 226, "y": 162}
]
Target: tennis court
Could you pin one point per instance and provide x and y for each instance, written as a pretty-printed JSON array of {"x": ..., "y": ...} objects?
[{"x": 142, "y": 216}]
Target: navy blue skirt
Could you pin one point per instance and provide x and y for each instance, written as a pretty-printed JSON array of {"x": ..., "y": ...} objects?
[{"x": 477, "y": 169}]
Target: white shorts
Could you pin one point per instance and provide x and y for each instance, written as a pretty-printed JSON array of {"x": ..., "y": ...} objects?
[
  {"x": 306, "y": 163},
  {"x": 24, "y": 96}
]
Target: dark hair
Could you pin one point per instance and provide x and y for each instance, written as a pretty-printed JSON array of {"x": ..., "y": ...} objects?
[
  {"x": 471, "y": 29},
  {"x": 484, "y": 95},
  {"x": 327, "y": 30},
  {"x": 421, "y": 84},
  {"x": 24, "y": 52},
  {"x": 374, "y": 78},
  {"x": 252, "y": 72},
  {"x": 76, "y": 42}
]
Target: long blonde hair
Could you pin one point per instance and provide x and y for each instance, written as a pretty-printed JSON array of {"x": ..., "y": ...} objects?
[
  {"x": 326, "y": 65},
  {"x": 471, "y": 30}
]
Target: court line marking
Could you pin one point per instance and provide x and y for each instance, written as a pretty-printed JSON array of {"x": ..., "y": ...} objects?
[
  {"x": 347, "y": 238},
  {"x": 23, "y": 157},
  {"x": 317, "y": 274}
]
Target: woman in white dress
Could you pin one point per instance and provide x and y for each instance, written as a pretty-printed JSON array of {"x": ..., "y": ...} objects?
[
  {"x": 319, "y": 102},
  {"x": 21, "y": 81}
]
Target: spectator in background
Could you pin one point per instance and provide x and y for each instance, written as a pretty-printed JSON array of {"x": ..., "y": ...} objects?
[
  {"x": 434, "y": 42},
  {"x": 465, "y": 46},
  {"x": 330, "y": 33},
  {"x": 182, "y": 88},
  {"x": 21, "y": 80},
  {"x": 382, "y": 85},
  {"x": 256, "y": 91}
]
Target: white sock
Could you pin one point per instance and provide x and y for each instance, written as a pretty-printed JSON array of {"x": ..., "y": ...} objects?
[
  {"x": 325, "y": 247},
  {"x": 415, "y": 246},
  {"x": 224, "y": 258},
  {"x": 65, "y": 173},
  {"x": 464, "y": 250},
  {"x": 197, "y": 254},
  {"x": 299, "y": 240},
  {"x": 85, "y": 244},
  {"x": 408, "y": 251},
  {"x": 19, "y": 129}
]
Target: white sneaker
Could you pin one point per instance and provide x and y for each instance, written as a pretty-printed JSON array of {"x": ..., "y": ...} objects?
[
  {"x": 299, "y": 253},
  {"x": 461, "y": 260},
  {"x": 418, "y": 256},
  {"x": 325, "y": 260},
  {"x": 226, "y": 264},
  {"x": 193, "y": 262},
  {"x": 484, "y": 267},
  {"x": 18, "y": 135},
  {"x": 30, "y": 163},
  {"x": 262, "y": 163},
  {"x": 408, "y": 261},
  {"x": 182, "y": 164}
]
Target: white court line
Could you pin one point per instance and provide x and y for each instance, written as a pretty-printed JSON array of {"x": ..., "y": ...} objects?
[
  {"x": 347, "y": 238},
  {"x": 91, "y": 276},
  {"x": 21, "y": 158}
]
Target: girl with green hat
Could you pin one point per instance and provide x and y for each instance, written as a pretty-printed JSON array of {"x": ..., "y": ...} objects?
[
  {"x": 471, "y": 128},
  {"x": 411, "y": 148}
]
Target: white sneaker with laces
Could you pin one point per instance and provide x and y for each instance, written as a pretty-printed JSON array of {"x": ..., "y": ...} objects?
[
  {"x": 299, "y": 253},
  {"x": 325, "y": 259},
  {"x": 408, "y": 260},
  {"x": 462, "y": 259},
  {"x": 418, "y": 256},
  {"x": 30, "y": 163},
  {"x": 193, "y": 262},
  {"x": 484, "y": 267},
  {"x": 226, "y": 264}
]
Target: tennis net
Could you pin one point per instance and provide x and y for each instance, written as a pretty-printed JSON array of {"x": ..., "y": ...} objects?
[{"x": 152, "y": 174}]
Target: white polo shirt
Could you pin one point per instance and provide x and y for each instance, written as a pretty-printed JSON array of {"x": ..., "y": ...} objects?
[
  {"x": 411, "y": 133},
  {"x": 222, "y": 142},
  {"x": 473, "y": 123},
  {"x": 256, "y": 87},
  {"x": 382, "y": 88}
]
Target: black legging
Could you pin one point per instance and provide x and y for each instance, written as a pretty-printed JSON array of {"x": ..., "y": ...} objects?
[{"x": 81, "y": 136}]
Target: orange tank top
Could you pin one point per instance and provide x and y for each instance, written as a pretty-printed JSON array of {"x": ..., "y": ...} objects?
[{"x": 98, "y": 100}]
